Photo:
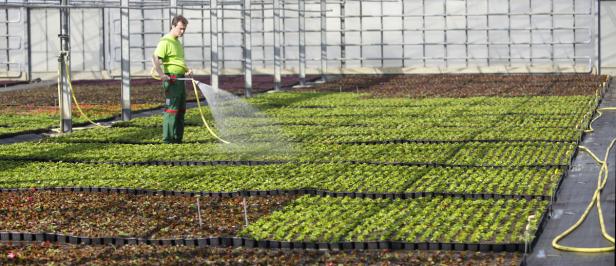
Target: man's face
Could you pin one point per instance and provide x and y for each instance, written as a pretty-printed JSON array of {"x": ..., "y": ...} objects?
[{"x": 178, "y": 29}]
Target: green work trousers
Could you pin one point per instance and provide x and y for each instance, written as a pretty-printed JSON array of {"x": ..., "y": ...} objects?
[{"x": 175, "y": 108}]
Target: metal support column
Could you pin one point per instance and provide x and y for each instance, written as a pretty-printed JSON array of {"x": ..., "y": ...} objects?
[
  {"x": 173, "y": 10},
  {"x": 221, "y": 53},
  {"x": 598, "y": 2},
  {"x": 488, "y": 31},
  {"x": 466, "y": 31},
  {"x": 125, "y": 64},
  {"x": 445, "y": 52},
  {"x": 323, "y": 40},
  {"x": 383, "y": 37},
  {"x": 66, "y": 123},
  {"x": 302, "y": 42},
  {"x": 277, "y": 51},
  {"x": 283, "y": 33},
  {"x": 423, "y": 30},
  {"x": 509, "y": 31},
  {"x": 7, "y": 37},
  {"x": 361, "y": 33},
  {"x": 402, "y": 19},
  {"x": 552, "y": 33},
  {"x": 143, "y": 41},
  {"x": 530, "y": 31},
  {"x": 342, "y": 34},
  {"x": 103, "y": 53},
  {"x": 247, "y": 48},
  {"x": 26, "y": 44},
  {"x": 214, "y": 43},
  {"x": 574, "y": 34}
]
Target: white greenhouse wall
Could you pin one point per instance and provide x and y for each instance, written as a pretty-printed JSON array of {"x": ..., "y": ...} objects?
[
  {"x": 408, "y": 43},
  {"x": 608, "y": 37}
]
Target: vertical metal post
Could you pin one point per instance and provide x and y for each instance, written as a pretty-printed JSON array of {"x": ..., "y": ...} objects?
[
  {"x": 574, "y": 35},
  {"x": 142, "y": 22},
  {"x": 203, "y": 34},
  {"x": 593, "y": 43},
  {"x": 83, "y": 41},
  {"x": 530, "y": 31},
  {"x": 323, "y": 40},
  {"x": 247, "y": 48},
  {"x": 552, "y": 34},
  {"x": 509, "y": 30},
  {"x": 214, "y": 43},
  {"x": 361, "y": 33},
  {"x": 423, "y": 30},
  {"x": 26, "y": 44},
  {"x": 125, "y": 64},
  {"x": 263, "y": 50},
  {"x": 173, "y": 11},
  {"x": 277, "y": 45},
  {"x": 66, "y": 123},
  {"x": 488, "y": 30},
  {"x": 103, "y": 41},
  {"x": 382, "y": 37},
  {"x": 445, "y": 34},
  {"x": 7, "y": 37},
  {"x": 466, "y": 31},
  {"x": 302, "y": 42},
  {"x": 342, "y": 34},
  {"x": 598, "y": 37},
  {"x": 284, "y": 35},
  {"x": 46, "y": 26},
  {"x": 402, "y": 19},
  {"x": 221, "y": 56}
]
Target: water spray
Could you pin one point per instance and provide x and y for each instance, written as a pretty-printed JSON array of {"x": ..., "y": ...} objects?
[{"x": 194, "y": 83}]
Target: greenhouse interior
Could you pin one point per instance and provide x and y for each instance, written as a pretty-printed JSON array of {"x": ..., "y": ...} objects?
[{"x": 316, "y": 132}]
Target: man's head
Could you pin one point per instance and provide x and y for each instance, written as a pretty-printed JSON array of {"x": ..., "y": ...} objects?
[{"x": 178, "y": 26}]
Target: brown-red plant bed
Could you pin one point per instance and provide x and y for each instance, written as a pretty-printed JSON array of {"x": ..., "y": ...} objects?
[
  {"x": 126, "y": 215},
  {"x": 464, "y": 85},
  {"x": 181, "y": 255}
]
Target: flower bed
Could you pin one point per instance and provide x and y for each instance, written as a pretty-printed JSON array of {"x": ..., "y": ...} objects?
[
  {"x": 124, "y": 215},
  {"x": 35, "y": 110},
  {"x": 155, "y": 255},
  {"x": 465, "y": 85},
  {"x": 436, "y": 220},
  {"x": 375, "y": 173},
  {"x": 285, "y": 177}
]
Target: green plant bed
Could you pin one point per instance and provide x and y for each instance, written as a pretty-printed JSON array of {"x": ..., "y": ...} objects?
[
  {"x": 472, "y": 153},
  {"x": 194, "y": 134},
  {"x": 331, "y": 177},
  {"x": 437, "y": 219},
  {"x": 25, "y": 119}
]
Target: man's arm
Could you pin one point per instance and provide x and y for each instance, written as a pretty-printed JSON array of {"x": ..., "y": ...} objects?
[{"x": 157, "y": 67}]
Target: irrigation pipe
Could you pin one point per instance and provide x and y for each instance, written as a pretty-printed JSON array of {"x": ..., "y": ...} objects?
[
  {"x": 596, "y": 199},
  {"x": 194, "y": 83}
]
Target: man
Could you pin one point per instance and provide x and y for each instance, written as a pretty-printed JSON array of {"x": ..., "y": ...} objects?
[{"x": 169, "y": 64}]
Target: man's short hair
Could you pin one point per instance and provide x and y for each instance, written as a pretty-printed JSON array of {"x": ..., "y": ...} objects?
[{"x": 178, "y": 18}]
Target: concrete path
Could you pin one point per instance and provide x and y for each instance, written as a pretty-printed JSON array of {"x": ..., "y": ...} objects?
[{"x": 575, "y": 193}]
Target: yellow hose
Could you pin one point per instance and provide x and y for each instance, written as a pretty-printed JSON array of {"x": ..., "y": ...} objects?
[
  {"x": 194, "y": 83},
  {"x": 596, "y": 199},
  {"x": 599, "y": 114},
  {"x": 70, "y": 85}
]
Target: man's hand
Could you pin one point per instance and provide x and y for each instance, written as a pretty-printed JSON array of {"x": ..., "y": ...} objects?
[
  {"x": 189, "y": 73},
  {"x": 164, "y": 77}
]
